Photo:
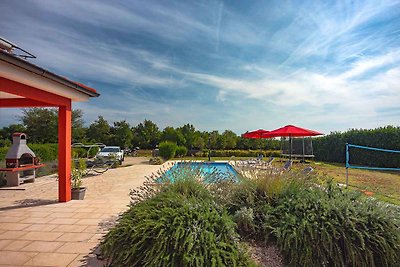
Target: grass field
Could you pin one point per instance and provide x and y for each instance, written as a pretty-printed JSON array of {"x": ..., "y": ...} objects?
[{"x": 384, "y": 185}]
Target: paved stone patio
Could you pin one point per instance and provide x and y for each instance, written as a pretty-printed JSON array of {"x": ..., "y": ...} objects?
[{"x": 36, "y": 230}]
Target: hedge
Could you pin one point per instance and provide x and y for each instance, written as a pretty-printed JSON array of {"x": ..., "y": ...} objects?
[
  {"x": 49, "y": 152},
  {"x": 46, "y": 152},
  {"x": 331, "y": 148},
  {"x": 240, "y": 153}
]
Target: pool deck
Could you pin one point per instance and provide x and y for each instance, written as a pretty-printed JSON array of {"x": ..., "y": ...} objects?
[{"x": 36, "y": 230}]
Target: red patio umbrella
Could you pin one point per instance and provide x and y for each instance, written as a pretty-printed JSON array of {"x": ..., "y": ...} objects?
[
  {"x": 291, "y": 131},
  {"x": 257, "y": 134}
]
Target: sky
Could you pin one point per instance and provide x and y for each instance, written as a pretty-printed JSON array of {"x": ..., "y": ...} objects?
[{"x": 237, "y": 65}]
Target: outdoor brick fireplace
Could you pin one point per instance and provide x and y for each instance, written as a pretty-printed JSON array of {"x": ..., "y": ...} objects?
[{"x": 21, "y": 162}]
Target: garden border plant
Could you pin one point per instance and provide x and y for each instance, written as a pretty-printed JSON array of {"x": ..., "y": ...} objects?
[
  {"x": 313, "y": 223},
  {"x": 174, "y": 224}
]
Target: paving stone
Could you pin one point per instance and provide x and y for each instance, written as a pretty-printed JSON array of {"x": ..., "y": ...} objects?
[
  {"x": 11, "y": 219},
  {"x": 61, "y": 215},
  {"x": 42, "y": 246},
  {"x": 37, "y": 214},
  {"x": 63, "y": 221},
  {"x": 41, "y": 227},
  {"x": 36, "y": 220},
  {"x": 12, "y": 235},
  {"x": 14, "y": 258},
  {"x": 51, "y": 259},
  {"x": 40, "y": 236},
  {"x": 87, "y": 215},
  {"x": 13, "y": 226},
  {"x": 5, "y": 242},
  {"x": 71, "y": 237},
  {"x": 65, "y": 228},
  {"x": 88, "y": 221},
  {"x": 87, "y": 260},
  {"x": 92, "y": 229},
  {"x": 17, "y": 245},
  {"x": 77, "y": 247}
]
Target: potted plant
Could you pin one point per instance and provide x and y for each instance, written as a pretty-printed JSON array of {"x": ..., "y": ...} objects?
[{"x": 77, "y": 172}]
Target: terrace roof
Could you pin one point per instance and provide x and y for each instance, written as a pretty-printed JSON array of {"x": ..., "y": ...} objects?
[{"x": 18, "y": 69}]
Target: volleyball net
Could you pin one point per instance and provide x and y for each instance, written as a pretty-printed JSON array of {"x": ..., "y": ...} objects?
[{"x": 371, "y": 158}]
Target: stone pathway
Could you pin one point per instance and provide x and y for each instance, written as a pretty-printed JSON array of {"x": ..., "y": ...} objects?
[{"x": 35, "y": 230}]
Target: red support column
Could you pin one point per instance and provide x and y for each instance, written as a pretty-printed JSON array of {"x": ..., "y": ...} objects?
[{"x": 64, "y": 153}]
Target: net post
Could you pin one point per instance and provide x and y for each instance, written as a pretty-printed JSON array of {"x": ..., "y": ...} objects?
[{"x": 347, "y": 165}]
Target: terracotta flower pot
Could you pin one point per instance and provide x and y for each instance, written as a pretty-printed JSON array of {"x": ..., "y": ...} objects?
[{"x": 78, "y": 193}]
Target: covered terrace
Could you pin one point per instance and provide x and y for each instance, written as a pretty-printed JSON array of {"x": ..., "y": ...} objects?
[{"x": 23, "y": 85}]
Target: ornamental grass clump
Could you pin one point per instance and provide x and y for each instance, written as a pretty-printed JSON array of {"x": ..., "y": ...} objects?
[
  {"x": 331, "y": 227},
  {"x": 179, "y": 226},
  {"x": 315, "y": 224},
  {"x": 188, "y": 171}
]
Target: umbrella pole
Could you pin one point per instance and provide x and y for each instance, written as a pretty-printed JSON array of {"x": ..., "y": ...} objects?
[
  {"x": 304, "y": 160},
  {"x": 290, "y": 137}
]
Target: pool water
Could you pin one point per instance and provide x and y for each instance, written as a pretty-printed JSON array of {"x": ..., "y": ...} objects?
[{"x": 211, "y": 171}]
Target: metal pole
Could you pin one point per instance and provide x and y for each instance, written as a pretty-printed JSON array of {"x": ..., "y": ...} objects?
[
  {"x": 290, "y": 147},
  {"x": 209, "y": 148},
  {"x": 304, "y": 159},
  {"x": 347, "y": 165}
]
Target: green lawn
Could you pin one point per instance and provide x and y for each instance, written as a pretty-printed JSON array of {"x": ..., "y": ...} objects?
[{"x": 384, "y": 185}]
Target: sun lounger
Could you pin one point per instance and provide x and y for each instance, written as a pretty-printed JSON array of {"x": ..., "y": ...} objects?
[
  {"x": 288, "y": 165},
  {"x": 308, "y": 170}
]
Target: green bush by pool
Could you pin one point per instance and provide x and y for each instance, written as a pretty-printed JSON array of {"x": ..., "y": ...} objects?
[{"x": 190, "y": 223}]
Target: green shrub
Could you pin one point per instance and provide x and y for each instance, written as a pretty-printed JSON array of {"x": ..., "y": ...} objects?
[
  {"x": 167, "y": 149},
  {"x": 155, "y": 161},
  {"x": 84, "y": 152},
  {"x": 244, "y": 218},
  {"x": 316, "y": 225},
  {"x": 5, "y": 143},
  {"x": 168, "y": 177},
  {"x": 3, "y": 152},
  {"x": 78, "y": 170},
  {"x": 181, "y": 151},
  {"x": 46, "y": 152},
  {"x": 339, "y": 227},
  {"x": 181, "y": 226}
]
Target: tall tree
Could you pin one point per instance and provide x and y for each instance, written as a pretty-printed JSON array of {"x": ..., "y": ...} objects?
[
  {"x": 78, "y": 128},
  {"x": 41, "y": 124},
  {"x": 230, "y": 139},
  {"x": 213, "y": 140},
  {"x": 146, "y": 135},
  {"x": 99, "y": 131},
  {"x": 122, "y": 134},
  {"x": 173, "y": 135},
  {"x": 6, "y": 133},
  {"x": 188, "y": 131}
]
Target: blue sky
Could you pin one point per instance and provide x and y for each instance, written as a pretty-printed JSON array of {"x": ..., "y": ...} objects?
[{"x": 238, "y": 65}]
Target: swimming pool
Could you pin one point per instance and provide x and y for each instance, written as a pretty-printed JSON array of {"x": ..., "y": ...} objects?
[{"x": 209, "y": 171}]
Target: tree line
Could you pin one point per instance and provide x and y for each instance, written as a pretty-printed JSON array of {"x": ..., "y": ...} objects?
[{"x": 41, "y": 126}]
